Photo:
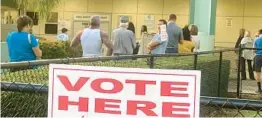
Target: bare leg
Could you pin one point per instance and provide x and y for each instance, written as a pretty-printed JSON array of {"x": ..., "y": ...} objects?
[{"x": 259, "y": 80}]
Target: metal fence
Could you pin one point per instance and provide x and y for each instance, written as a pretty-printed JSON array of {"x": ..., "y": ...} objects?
[
  {"x": 247, "y": 84},
  {"x": 24, "y": 90}
]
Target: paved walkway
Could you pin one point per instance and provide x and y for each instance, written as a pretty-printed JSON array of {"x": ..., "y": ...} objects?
[{"x": 248, "y": 86}]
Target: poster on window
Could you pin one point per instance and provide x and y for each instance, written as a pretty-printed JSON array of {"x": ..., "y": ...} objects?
[
  {"x": 64, "y": 24},
  {"x": 150, "y": 21}
]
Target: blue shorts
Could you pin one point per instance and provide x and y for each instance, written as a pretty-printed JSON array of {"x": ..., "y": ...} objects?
[{"x": 172, "y": 50}]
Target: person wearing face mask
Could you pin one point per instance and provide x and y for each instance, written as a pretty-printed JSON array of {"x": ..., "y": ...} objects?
[{"x": 22, "y": 45}]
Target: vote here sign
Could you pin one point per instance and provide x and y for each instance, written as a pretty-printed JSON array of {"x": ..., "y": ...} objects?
[{"x": 107, "y": 92}]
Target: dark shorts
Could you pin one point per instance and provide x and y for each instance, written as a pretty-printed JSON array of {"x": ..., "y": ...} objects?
[
  {"x": 171, "y": 50},
  {"x": 258, "y": 63}
]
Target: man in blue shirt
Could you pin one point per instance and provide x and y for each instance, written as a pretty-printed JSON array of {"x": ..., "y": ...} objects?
[
  {"x": 258, "y": 60},
  {"x": 158, "y": 45}
]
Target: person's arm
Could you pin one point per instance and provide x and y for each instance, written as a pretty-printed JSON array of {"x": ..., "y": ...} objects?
[
  {"x": 254, "y": 46},
  {"x": 181, "y": 37},
  {"x": 76, "y": 39},
  {"x": 153, "y": 44},
  {"x": 107, "y": 42},
  {"x": 35, "y": 46}
]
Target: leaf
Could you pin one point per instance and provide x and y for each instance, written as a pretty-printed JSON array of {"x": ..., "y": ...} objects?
[{"x": 44, "y": 7}]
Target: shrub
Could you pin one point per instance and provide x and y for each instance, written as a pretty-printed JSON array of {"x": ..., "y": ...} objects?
[{"x": 59, "y": 49}]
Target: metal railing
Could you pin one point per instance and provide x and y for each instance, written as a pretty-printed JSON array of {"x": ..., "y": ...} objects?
[
  {"x": 245, "y": 86},
  {"x": 219, "y": 72}
]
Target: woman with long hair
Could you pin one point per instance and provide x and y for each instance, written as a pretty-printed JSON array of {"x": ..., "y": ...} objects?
[
  {"x": 188, "y": 44},
  {"x": 247, "y": 55},
  {"x": 143, "y": 29},
  {"x": 240, "y": 37},
  {"x": 195, "y": 38},
  {"x": 131, "y": 27}
]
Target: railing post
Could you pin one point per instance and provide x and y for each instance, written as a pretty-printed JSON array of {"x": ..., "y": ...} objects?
[
  {"x": 151, "y": 63},
  {"x": 238, "y": 73},
  {"x": 195, "y": 60},
  {"x": 219, "y": 72}
]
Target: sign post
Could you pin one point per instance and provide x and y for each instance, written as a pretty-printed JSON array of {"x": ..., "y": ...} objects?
[{"x": 105, "y": 92}]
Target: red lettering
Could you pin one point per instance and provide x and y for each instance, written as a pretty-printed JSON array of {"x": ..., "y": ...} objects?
[
  {"x": 96, "y": 85},
  {"x": 166, "y": 89},
  {"x": 169, "y": 107},
  {"x": 63, "y": 103},
  {"x": 68, "y": 85},
  {"x": 132, "y": 107},
  {"x": 101, "y": 105},
  {"x": 140, "y": 85}
]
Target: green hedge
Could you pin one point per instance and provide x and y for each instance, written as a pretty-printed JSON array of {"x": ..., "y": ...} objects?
[{"x": 59, "y": 49}]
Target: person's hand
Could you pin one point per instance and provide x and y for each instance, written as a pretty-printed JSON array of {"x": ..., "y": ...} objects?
[{"x": 149, "y": 48}]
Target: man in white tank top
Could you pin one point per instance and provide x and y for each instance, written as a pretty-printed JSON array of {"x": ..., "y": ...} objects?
[{"x": 92, "y": 39}]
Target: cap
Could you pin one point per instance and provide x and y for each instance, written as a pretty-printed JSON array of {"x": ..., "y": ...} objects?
[{"x": 124, "y": 19}]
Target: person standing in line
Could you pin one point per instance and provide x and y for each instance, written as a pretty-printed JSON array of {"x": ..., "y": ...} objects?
[
  {"x": 175, "y": 35},
  {"x": 143, "y": 30},
  {"x": 195, "y": 38},
  {"x": 240, "y": 37},
  {"x": 124, "y": 40},
  {"x": 247, "y": 55},
  {"x": 188, "y": 44},
  {"x": 237, "y": 45},
  {"x": 92, "y": 39},
  {"x": 63, "y": 36},
  {"x": 22, "y": 45},
  {"x": 158, "y": 45},
  {"x": 258, "y": 61},
  {"x": 132, "y": 28}
]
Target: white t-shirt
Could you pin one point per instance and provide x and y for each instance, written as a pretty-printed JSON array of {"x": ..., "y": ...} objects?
[
  {"x": 196, "y": 41},
  {"x": 62, "y": 37},
  {"x": 247, "y": 42}
]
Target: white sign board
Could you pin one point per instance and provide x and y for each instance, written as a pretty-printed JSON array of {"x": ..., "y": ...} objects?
[
  {"x": 87, "y": 17},
  {"x": 104, "y": 92},
  {"x": 163, "y": 34},
  {"x": 64, "y": 24}
]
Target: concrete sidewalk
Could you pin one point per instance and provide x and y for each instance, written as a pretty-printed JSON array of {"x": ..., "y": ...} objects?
[{"x": 248, "y": 86}]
